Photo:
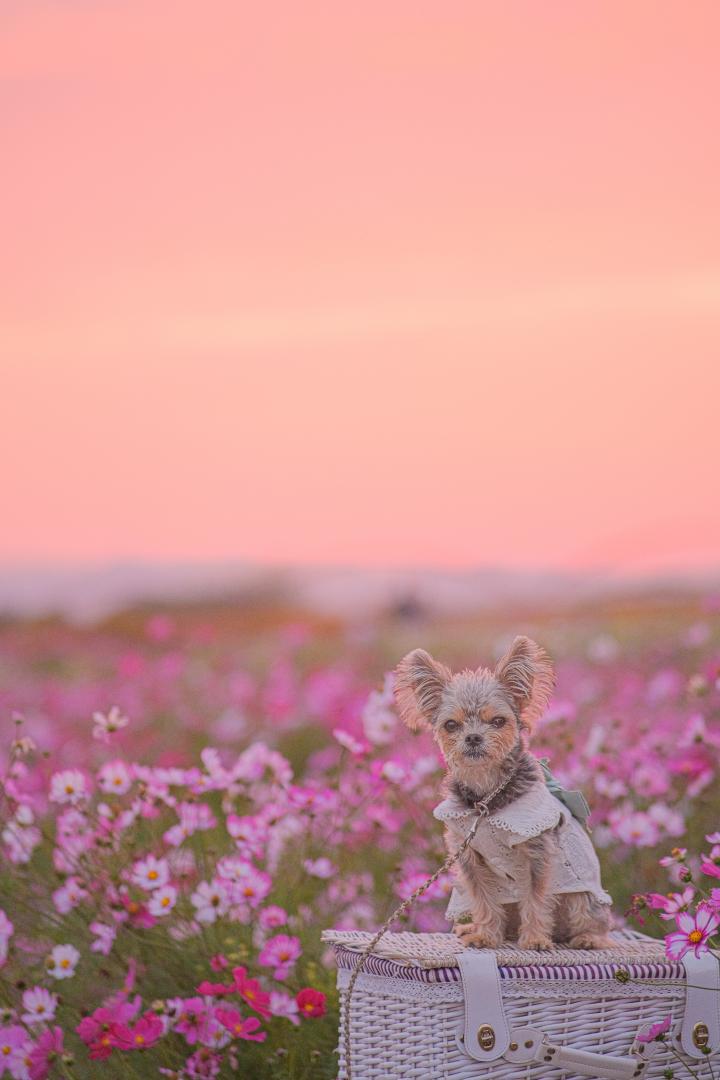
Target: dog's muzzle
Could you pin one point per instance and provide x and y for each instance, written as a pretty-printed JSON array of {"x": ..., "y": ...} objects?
[{"x": 473, "y": 747}]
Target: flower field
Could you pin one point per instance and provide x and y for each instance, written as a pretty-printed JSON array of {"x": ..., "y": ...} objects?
[{"x": 190, "y": 796}]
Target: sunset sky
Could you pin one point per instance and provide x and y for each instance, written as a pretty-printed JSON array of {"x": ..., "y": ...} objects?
[{"x": 381, "y": 283}]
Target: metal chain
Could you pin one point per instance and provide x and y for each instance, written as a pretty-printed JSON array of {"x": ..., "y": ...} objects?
[{"x": 481, "y": 809}]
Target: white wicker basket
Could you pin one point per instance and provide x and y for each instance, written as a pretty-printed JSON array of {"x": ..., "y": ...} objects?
[{"x": 425, "y": 1007}]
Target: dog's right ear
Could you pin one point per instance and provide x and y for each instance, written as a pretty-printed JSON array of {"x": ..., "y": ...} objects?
[{"x": 419, "y": 683}]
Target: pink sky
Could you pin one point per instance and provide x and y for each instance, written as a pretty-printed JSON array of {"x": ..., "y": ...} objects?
[{"x": 379, "y": 283}]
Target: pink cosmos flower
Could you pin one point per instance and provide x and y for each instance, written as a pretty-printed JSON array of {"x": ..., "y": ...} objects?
[
  {"x": 677, "y": 855},
  {"x": 311, "y": 1002},
  {"x": 115, "y": 778},
  {"x": 211, "y": 989},
  {"x": 636, "y": 828},
  {"x": 248, "y": 885},
  {"x": 280, "y": 952},
  {"x": 283, "y": 1005},
  {"x": 194, "y": 817},
  {"x": 272, "y": 917},
  {"x": 676, "y": 902},
  {"x": 68, "y": 786},
  {"x": 349, "y": 742},
  {"x": 191, "y": 1020},
  {"x": 14, "y": 1045},
  {"x": 163, "y": 900},
  {"x": 210, "y": 901},
  {"x": 250, "y": 991},
  {"x": 319, "y": 868},
  {"x": 39, "y": 1005},
  {"x": 241, "y": 1028},
  {"x": 69, "y": 895},
  {"x": 219, "y": 962},
  {"x": 655, "y": 1031},
  {"x": 202, "y": 1065},
  {"x": 104, "y": 938},
  {"x": 249, "y": 833},
  {"x": 136, "y": 913},
  {"x": 151, "y": 873},
  {"x": 6, "y": 932},
  {"x": 713, "y": 838},
  {"x": 693, "y": 933},
  {"x": 106, "y": 724},
  {"x": 48, "y": 1047},
  {"x": 710, "y": 864},
  {"x": 145, "y": 1033}
]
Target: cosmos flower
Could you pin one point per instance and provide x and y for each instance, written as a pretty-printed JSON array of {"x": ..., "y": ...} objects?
[
  {"x": 239, "y": 1028},
  {"x": 655, "y": 1031},
  {"x": 693, "y": 933},
  {"x": 151, "y": 873},
  {"x": 115, "y": 778},
  {"x": 311, "y": 1002},
  {"x": 106, "y": 724},
  {"x": 140, "y": 1036},
  {"x": 280, "y": 952},
  {"x": 210, "y": 901},
  {"x": 48, "y": 1047},
  {"x": 62, "y": 961},
  {"x": 162, "y": 900},
  {"x": 39, "y": 1005},
  {"x": 68, "y": 786}
]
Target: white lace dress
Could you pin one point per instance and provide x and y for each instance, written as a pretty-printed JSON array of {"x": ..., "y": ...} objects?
[{"x": 575, "y": 865}]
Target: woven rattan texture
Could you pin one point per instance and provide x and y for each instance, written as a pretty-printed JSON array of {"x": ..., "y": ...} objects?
[
  {"x": 404, "y": 1029},
  {"x": 440, "y": 950}
]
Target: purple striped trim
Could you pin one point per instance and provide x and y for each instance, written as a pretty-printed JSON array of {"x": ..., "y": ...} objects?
[{"x": 379, "y": 965}]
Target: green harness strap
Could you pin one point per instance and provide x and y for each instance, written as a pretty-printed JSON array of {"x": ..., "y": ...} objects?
[{"x": 574, "y": 800}]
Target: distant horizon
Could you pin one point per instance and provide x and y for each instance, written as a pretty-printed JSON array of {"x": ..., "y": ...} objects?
[{"x": 86, "y": 593}]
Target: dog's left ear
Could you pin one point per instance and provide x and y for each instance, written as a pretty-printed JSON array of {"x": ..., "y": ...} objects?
[
  {"x": 419, "y": 683},
  {"x": 527, "y": 673}
]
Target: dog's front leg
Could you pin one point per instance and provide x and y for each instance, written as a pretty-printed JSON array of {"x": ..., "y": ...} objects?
[
  {"x": 537, "y": 905},
  {"x": 487, "y": 929}
]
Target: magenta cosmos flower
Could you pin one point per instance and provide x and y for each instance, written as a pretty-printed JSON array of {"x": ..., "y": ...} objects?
[
  {"x": 280, "y": 952},
  {"x": 48, "y": 1047},
  {"x": 656, "y": 1031},
  {"x": 241, "y": 1027},
  {"x": 693, "y": 933},
  {"x": 311, "y": 1002}
]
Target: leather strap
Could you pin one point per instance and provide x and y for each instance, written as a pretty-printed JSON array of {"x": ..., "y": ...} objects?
[
  {"x": 701, "y": 1022},
  {"x": 485, "y": 1035}
]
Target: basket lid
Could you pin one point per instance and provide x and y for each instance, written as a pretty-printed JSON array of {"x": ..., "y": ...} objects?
[{"x": 441, "y": 950}]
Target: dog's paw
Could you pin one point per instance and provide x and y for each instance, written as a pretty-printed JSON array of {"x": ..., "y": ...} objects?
[
  {"x": 591, "y": 941},
  {"x": 475, "y": 938},
  {"x": 536, "y": 942}
]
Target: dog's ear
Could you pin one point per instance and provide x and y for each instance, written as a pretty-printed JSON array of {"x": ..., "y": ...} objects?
[
  {"x": 527, "y": 674},
  {"x": 419, "y": 683}
]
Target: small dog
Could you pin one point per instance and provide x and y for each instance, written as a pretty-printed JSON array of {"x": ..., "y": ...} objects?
[{"x": 531, "y": 871}]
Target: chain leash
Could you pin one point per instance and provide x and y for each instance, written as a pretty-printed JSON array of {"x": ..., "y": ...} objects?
[{"x": 481, "y": 809}]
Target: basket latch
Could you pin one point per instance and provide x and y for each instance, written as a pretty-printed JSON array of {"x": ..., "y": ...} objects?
[
  {"x": 700, "y": 1030},
  {"x": 485, "y": 1035}
]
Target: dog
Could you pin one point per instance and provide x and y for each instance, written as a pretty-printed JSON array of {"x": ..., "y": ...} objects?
[{"x": 531, "y": 872}]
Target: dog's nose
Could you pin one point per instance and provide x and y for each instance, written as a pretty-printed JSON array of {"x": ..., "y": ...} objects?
[{"x": 473, "y": 740}]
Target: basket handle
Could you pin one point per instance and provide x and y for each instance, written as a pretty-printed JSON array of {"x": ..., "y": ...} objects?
[
  {"x": 583, "y": 1062},
  {"x": 530, "y": 1044}
]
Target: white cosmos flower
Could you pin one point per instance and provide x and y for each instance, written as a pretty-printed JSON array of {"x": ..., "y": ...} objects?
[
  {"x": 107, "y": 724},
  {"x": 162, "y": 900},
  {"x": 210, "y": 900},
  {"x": 151, "y": 873},
  {"x": 68, "y": 786},
  {"x": 62, "y": 961}
]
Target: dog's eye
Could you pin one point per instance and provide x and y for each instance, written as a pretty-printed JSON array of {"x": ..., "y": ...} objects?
[
  {"x": 451, "y": 725},
  {"x": 498, "y": 721}
]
